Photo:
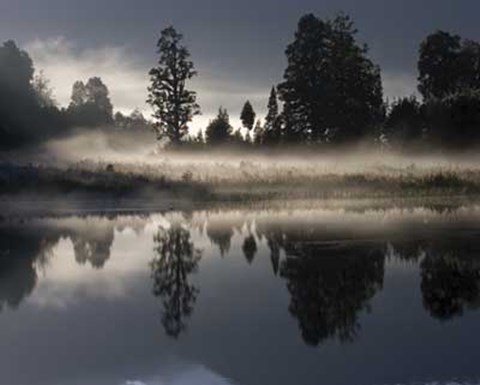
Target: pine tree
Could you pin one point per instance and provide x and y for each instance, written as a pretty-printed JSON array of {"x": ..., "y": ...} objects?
[
  {"x": 331, "y": 89},
  {"x": 248, "y": 116},
  {"x": 174, "y": 105},
  {"x": 272, "y": 128}
]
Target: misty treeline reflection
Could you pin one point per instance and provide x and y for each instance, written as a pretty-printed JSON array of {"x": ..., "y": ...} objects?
[{"x": 330, "y": 274}]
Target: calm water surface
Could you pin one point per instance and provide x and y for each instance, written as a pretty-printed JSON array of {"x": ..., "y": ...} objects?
[{"x": 242, "y": 297}]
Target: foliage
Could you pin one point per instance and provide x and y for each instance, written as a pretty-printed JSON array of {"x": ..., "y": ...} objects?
[
  {"x": 332, "y": 92},
  {"x": 90, "y": 104},
  {"x": 447, "y": 65},
  {"x": 43, "y": 91},
  {"x": 24, "y": 117},
  {"x": 174, "y": 105}
]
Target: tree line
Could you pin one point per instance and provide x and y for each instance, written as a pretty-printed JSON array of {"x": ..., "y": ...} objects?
[
  {"x": 331, "y": 95},
  {"x": 30, "y": 115}
]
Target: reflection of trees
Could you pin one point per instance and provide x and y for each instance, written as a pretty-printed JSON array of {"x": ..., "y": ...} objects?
[
  {"x": 249, "y": 248},
  {"x": 19, "y": 251},
  {"x": 450, "y": 273},
  {"x": 221, "y": 236},
  {"x": 94, "y": 248},
  {"x": 451, "y": 278},
  {"x": 176, "y": 258},
  {"x": 329, "y": 285},
  {"x": 28, "y": 245}
]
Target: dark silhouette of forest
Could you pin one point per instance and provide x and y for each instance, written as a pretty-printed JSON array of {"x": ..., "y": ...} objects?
[
  {"x": 331, "y": 95},
  {"x": 30, "y": 115}
]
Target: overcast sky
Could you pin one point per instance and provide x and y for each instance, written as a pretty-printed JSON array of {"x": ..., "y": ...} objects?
[{"x": 237, "y": 46}]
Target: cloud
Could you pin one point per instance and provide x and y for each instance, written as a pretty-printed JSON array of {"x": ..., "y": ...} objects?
[{"x": 63, "y": 63}]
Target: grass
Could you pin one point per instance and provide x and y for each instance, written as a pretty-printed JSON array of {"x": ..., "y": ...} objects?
[{"x": 241, "y": 181}]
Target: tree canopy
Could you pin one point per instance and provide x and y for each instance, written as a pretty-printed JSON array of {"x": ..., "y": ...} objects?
[
  {"x": 447, "y": 64},
  {"x": 90, "y": 103},
  {"x": 332, "y": 91}
]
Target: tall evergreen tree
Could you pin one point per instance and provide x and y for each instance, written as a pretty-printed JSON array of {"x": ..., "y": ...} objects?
[
  {"x": 174, "y": 105},
  {"x": 248, "y": 116},
  {"x": 272, "y": 128},
  {"x": 331, "y": 89}
]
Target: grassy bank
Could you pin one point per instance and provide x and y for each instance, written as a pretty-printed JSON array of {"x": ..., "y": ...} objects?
[{"x": 235, "y": 182}]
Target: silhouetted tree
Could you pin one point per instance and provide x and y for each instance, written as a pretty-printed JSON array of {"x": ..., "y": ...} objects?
[
  {"x": 176, "y": 259},
  {"x": 219, "y": 130},
  {"x": 23, "y": 118},
  {"x": 248, "y": 116},
  {"x": 43, "y": 91},
  {"x": 438, "y": 65},
  {"x": 449, "y": 81},
  {"x": 90, "y": 104},
  {"x": 332, "y": 92},
  {"x": 174, "y": 105},
  {"x": 272, "y": 128},
  {"x": 16, "y": 69}
]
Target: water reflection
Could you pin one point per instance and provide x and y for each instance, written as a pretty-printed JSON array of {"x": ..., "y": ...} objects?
[
  {"x": 329, "y": 286},
  {"x": 451, "y": 278},
  {"x": 176, "y": 259},
  {"x": 332, "y": 269}
]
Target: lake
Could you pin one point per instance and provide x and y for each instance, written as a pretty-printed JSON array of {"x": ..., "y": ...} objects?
[{"x": 242, "y": 296}]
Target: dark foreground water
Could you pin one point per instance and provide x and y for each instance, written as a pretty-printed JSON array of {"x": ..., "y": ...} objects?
[{"x": 242, "y": 297}]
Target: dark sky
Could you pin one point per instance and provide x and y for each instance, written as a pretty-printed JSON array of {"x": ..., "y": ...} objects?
[{"x": 238, "y": 46}]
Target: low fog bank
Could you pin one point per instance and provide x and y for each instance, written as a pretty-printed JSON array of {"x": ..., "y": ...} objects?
[
  {"x": 144, "y": 151},
  {"x": 87, "y": 164}
]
